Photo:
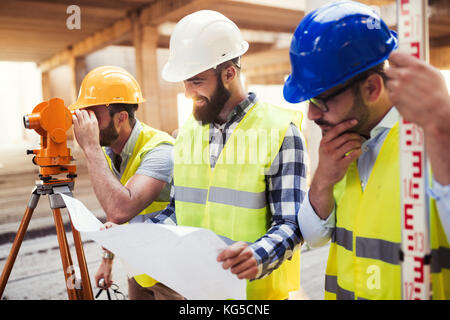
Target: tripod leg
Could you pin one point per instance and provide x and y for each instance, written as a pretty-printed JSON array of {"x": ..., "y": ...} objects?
[
  {"x": 85, "y": 281},
  {"x": 18, "y": 241},
  {"x": 69, "y": 272}
]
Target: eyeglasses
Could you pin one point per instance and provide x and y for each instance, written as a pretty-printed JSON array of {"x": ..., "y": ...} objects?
[{"x": 321, "y": 103}]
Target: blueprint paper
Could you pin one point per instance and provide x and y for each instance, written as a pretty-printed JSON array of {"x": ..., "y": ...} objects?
[{"x": 183, "y": 258}]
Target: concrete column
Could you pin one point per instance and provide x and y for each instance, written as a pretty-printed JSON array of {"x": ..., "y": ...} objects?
[
  {"x": 145, "y": 41},
  {"x": 45, "y": 85}
]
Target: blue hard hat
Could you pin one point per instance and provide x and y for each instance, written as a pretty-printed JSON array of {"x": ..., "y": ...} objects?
[{"x": 333, "y": 44}]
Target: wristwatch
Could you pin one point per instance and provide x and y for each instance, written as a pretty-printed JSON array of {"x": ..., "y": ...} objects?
[{"x": 107, "y": 255}]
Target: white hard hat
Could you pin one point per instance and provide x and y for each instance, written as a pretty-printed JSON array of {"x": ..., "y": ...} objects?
[{"x": 201, "y": 41}]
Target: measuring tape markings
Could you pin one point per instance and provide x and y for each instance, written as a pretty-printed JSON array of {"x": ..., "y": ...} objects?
[{"x": 416, "y": 270}]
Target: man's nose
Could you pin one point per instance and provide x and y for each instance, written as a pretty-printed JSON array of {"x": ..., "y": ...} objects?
[{"x": 313, "y": 112}]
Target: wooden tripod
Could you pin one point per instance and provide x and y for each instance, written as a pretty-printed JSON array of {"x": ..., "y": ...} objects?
[{"x": 52, "y": 188}]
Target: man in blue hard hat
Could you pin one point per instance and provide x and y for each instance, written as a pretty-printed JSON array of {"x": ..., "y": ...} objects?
[{"x": 338, "y": 64}]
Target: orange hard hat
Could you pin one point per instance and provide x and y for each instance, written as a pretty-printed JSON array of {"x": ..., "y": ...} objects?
[{"x": 107, "y": 85}]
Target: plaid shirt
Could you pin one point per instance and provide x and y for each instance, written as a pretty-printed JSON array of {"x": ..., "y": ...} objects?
[{"x": 286, "y": 188}]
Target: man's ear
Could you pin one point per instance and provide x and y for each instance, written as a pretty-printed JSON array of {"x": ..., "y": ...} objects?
[
  {"x": 373, "y": 87},
  {"x": 228, "y": 74},
  {"x": 122, "y": 117}
]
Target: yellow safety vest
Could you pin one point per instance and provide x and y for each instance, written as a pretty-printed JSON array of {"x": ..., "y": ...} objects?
[
  {"x": 148, "y": 139},
  {"x": 364, "y": 261},
  {"x": 231, "y": 198}
]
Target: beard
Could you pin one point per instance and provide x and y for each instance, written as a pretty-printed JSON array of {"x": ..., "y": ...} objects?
[
  {"x": 108, "y": 135},
  {"x": 212, "y": 107},
  {"x": 359, "y": 111}
]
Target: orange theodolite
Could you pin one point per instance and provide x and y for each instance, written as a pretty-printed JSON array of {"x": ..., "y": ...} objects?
[{"x": 51, "y": 119}]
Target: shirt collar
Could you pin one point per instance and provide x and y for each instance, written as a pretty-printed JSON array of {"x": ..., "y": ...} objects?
[
  {"x": 379, "y": 132},
  {"x": 387, "y": 122},
  {"x": 243, "y": 107},
  {"x": 240, "y": 110}
]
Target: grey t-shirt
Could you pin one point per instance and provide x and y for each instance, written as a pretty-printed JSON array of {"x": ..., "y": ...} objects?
[{"x": 157, "y": 163}]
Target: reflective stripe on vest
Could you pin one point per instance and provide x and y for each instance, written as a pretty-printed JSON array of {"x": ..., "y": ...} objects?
[
  {"x": 188, "y": 194},
  {"x": 387, "y": 251},
  {"x": 378, "y": 249},
  {"x": 244, "y": 199},
  {"x": 331, "y": 285},
  {"x": 364, "y": 260},
  {"x": 440, "y": 259},
  {"x": 343, "y": 237},
  {"x": 140, "y": 218},
  {"x": 148, "y": 139},
  {"x": 368, "y": 248},
  {"x": 231, "y": 200}
]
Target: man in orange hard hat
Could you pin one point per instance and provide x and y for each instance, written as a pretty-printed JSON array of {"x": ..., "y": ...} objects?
[{"x": 131, "y": 174}]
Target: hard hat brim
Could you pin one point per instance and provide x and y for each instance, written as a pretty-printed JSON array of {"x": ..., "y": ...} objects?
[{"x": 77, "y": 106}]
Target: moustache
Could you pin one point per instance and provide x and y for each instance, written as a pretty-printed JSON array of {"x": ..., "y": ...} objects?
[
  {"x": 199, "y": 99},
  {"x": 322, "y": 123}
]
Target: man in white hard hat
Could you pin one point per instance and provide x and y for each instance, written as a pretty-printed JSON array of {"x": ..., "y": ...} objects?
[{"x": 239, "y": 163}]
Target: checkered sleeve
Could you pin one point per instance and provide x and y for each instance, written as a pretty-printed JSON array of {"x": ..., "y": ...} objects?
[
  {"x": 286, "y": 185},
  {"x": 166, "y": 216}
]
